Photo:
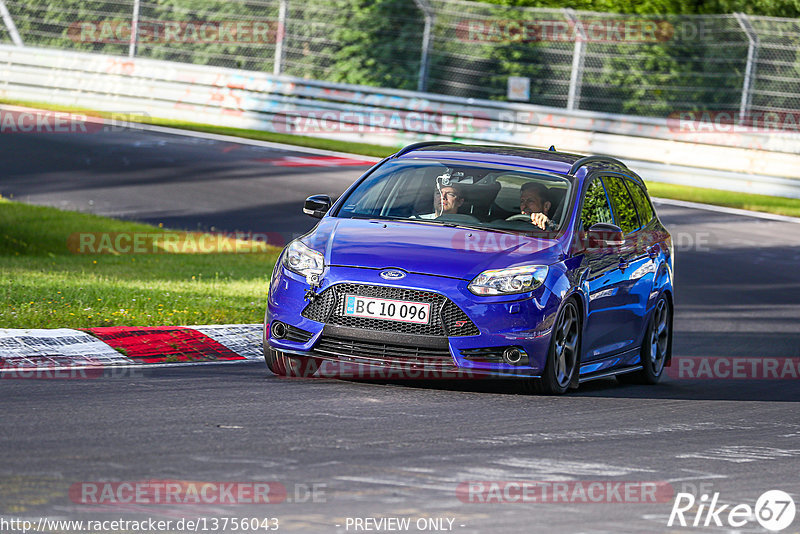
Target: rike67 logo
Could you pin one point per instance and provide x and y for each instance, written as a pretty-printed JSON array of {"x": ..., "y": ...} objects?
[{"x": 774, "y": 510}]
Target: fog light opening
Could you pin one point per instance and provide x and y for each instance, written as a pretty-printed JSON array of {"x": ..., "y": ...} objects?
[
  {"x": 513, "y": 356},
  {"x": 278, "y": 330}
]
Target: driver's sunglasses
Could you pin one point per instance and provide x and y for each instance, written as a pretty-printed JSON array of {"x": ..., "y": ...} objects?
[{"x": 449, "y": 195}]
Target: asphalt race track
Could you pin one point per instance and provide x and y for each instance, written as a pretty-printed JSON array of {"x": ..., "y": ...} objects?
[{"x": 361, "y": 450}]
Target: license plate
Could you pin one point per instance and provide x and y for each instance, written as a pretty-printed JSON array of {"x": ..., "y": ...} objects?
[{"x": 391, "y": 310}]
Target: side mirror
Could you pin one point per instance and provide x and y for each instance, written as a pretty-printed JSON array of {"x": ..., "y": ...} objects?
[
  {"x": 604, "y": 236},
  {"x": 317, "y": 206}
]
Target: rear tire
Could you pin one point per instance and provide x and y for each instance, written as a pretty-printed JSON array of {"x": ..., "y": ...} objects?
[
  {"x": 655, "y": 346},
  {"x": 295, "y": 366},
  {"x": 562, "y": 358}
]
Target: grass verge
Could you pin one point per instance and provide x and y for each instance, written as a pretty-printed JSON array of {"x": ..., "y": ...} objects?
[
  {"x": 731, "y": 199},
  {"x": 43, "y": 284}
]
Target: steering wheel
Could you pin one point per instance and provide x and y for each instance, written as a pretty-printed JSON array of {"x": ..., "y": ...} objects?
[{"x": 520, "y": 217}]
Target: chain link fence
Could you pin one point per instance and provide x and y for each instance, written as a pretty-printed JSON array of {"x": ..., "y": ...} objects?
[{"x": 653, "y": 65}]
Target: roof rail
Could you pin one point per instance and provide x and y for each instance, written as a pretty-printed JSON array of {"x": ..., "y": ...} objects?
[
  {"x": 591, "y": 159},
  {"x": 421, "y": 144}
]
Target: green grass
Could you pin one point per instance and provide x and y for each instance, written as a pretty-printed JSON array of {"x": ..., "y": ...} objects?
[
  {"x": 731, "y": 199},
  {"x": 45, "y": 285}
]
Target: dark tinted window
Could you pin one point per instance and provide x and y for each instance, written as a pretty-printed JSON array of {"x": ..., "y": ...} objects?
[
  {"x": 595, "y": 206},
  {"x": 485, "y": 196},
  {"x": 624, "y": 209},
  {"x": 643, "y": 205}
]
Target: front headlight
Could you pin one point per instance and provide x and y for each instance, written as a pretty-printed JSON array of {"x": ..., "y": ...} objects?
[
  {"x": 509, "y": 281},
  {"x": 300, "y": 259}
]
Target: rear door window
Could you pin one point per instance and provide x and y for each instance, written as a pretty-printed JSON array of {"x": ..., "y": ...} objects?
[
  {"x": 643, "y": 206},
  {"x": 622, "y": 204}
]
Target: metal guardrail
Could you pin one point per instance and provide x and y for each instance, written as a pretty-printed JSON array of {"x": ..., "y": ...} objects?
[{"x": 742, "y": 161}]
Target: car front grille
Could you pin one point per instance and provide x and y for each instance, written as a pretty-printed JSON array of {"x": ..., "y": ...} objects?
[
  {"x": 447, "y": 319},
  {"x": 373, "y": 352}
]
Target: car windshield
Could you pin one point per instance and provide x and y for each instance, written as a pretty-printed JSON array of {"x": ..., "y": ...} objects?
[{"x": 475, "y": 195}]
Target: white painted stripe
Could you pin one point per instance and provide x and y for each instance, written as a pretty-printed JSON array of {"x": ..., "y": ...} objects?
[
  {"x": 63, "y": 349},
  {"x": 243, "y": 339},
  {"x": 52, "y": 348},
  {"x": 544, "y": 466},
  {"x": 743, "y": 454},
  {"x": 730, "y": 211}
]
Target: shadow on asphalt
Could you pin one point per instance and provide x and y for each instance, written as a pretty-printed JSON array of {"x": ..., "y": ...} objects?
[
  {"x": 668, "y": 389},
  {"x": 731, "y": 390}
]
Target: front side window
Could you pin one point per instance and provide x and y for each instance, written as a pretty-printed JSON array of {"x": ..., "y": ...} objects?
[
  {"x": 452, "y": 193},
  {"x": 622, "y": 204},
  {"x": 595, "y": 206}
]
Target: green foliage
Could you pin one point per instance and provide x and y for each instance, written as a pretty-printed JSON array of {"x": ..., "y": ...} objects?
[
  {"x": 595, "y": 206},
  {"x": 697, "y": 63},
  {"x": 773, "y": 8},
  {"x": 373, "y": 49},
  {"x": 624, "y": 209}
]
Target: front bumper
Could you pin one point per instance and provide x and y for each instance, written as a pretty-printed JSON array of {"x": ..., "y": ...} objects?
[{"x": 521, "y": 321}]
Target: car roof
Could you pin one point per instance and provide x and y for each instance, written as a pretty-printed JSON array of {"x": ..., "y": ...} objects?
[{"x": 533, "y": 158}]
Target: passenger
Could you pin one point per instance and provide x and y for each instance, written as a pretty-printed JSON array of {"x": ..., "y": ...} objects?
[{"x": 446, "y": 200}]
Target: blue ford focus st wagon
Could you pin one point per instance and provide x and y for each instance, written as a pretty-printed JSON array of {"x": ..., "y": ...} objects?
[{"x": 493, "y": 261}]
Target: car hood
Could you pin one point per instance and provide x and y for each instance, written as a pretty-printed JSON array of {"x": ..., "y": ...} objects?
[{"x": 426, "y": 248}]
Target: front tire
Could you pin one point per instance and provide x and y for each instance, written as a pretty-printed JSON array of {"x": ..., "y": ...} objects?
[
  {"x": 655, "y": 346},
  {"x": 294, "y": 366},
  {"x": 563, "y": 356}
]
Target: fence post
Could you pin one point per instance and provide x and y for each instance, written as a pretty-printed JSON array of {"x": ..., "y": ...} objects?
[
  {"x": 280, "y": 35},
  {"x": 12, "y": 28},
  {"x": 134, "y": 29},
  {"x": 578, "y": 54},
  {"x": 750, "y": 68},
  {"x": 427, "y": 11}
]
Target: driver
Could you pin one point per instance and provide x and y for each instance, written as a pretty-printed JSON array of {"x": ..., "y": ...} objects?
[{"x": 534, "y": 201}]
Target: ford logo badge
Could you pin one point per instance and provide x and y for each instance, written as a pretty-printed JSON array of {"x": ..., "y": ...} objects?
[{"x": 393, "y": 275}]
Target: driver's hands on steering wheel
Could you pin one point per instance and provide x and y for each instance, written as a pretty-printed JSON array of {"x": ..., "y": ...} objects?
[{"x": 538, "y": 219}]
